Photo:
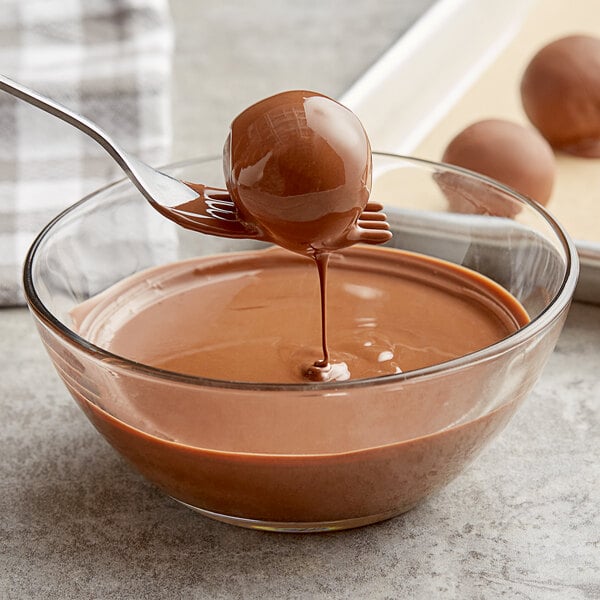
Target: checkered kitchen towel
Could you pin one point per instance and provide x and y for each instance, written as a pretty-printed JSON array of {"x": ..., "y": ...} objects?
[{"x": 108, "y": 60}]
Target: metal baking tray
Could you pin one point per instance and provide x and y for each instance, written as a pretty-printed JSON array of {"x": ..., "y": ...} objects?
[{"x": 462, "y": 61}]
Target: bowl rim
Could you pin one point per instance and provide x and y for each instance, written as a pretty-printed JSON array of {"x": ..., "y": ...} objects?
[{"x": 552, "y": 311}]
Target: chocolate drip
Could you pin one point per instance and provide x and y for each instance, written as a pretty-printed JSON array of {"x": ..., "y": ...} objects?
[{"x": 298, "y": 172}]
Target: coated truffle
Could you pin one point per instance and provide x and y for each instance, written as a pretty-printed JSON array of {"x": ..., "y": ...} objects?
[
  {"x": 560, "y": 91},
  {"x": 516, "y": 156},
  {"x": 299, "y": 165}
]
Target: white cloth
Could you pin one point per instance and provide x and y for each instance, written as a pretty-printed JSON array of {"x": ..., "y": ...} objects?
[{"x": 106, "y": 59}]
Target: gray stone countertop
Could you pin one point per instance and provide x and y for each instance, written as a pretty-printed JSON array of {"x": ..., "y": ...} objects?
[{"x": 75, "y": 522}]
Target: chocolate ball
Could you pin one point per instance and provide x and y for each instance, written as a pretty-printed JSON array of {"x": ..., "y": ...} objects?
[
  {"x": 298, "y": 164},
  {"x": 560, "y": 90},
  {"x": 517, "y": 156}
]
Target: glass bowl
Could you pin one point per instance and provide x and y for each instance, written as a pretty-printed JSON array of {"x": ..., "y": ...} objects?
[{"x": 372, "y": 448}]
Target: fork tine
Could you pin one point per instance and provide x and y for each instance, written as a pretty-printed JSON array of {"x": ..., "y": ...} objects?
[
  {"x": 372, "y": 216},
  {"x": 204, "y": 206},
  {"x": 373, "y": 206},
  {"x": 380, "y": 225},
  {"x": 220, "y": 199},
  {"x": 374, "y": 236},
  {"x": 218, "y": 195},
  {"x": 220, "y": 210},
  {"x": 223, "y": 204}
]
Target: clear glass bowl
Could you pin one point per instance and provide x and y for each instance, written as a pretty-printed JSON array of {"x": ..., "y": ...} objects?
[{"x": 373, "y": 448}]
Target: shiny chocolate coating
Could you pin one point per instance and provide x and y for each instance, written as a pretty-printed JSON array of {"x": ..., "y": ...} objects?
[{"x": 298, "y": 165}]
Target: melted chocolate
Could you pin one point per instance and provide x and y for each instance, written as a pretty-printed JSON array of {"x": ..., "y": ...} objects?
[
  {"x": 249, "y": 316},
  {"x": 285, "y": 456}
]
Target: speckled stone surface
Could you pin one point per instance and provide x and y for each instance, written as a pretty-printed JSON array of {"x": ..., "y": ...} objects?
[{"x": 75, "y": 522}]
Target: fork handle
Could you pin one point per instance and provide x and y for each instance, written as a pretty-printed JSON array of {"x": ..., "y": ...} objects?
[
  {"x": 80, "y": 122},
  {"x": 133, "y": 168}
]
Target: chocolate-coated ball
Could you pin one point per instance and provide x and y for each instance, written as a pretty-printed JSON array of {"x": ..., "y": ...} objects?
[
  {"x": 517, "y": 156},
  {"x": 560, "y": 91},
  {"x": 298, "y": 164}
]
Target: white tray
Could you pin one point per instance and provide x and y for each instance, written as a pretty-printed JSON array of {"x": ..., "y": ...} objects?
[{"x": 410, "y": 100}]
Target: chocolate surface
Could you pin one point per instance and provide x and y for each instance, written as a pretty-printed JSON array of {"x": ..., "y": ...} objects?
[
  {"x": 249, "y": 316},
  {"x": 299, "y": 165},
  {"x": 560, "y": 90},
  {"x": 282, "y": 455},
  {"x": 515, "y": 155}
]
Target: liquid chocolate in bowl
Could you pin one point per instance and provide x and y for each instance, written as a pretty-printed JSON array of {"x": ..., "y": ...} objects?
[
  {"x": 248, "y": 316},
  {"x": 283, "y": 456}
]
